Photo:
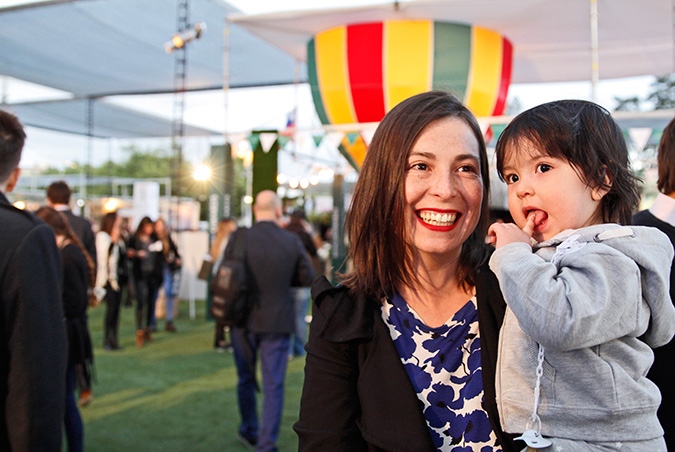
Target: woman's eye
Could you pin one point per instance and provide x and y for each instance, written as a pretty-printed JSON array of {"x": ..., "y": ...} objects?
[
  {"x": 511, "y": 178},
  {"x": 543, "y": 167},
  {"x": 419, "y": 166},
  {"x": 468, "y": 169}
]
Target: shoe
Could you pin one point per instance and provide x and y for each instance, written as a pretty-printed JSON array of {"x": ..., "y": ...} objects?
[
  {"x": 248, "y": 443},
  {"x": 107, "y": 346},
  {"x": 146, "y": 335},
  {"x": 170, "y": 327},
  {"x": 86, "y": 397},
  {"x": 139, "y": 338}
]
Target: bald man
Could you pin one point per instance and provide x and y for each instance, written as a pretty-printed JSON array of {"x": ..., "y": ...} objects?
[{"x": 275, "y": 260}]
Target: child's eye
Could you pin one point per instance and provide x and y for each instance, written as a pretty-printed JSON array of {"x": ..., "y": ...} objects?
[
  {"x": 543, "y": 167},
  {"x": 511, "y": 178}
]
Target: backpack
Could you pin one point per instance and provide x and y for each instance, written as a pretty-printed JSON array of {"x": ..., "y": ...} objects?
[{"x": 229, "y": 290}]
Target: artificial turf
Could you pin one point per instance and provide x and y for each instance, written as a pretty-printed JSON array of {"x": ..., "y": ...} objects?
[{"x": 175, "y": 393}]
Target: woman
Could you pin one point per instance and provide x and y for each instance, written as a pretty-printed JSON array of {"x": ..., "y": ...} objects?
[
  {"x": 145, "y": 250},
  {"x": 226, "y": 226},
  {"x": 401, "y": 355},
  {"x": 171, "y": 263},
  {"x": 108, "y": 256},
  {"x": 78, "y": 279}
]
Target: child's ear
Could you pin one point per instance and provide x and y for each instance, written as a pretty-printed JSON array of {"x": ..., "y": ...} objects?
[{"x": 601, "y": 190}]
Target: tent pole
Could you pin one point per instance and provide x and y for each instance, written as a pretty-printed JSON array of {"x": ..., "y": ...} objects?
[{"x": 594, "y": 51}]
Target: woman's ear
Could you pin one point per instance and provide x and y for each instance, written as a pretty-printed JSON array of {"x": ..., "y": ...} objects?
[{"x": 601, "y": 190}]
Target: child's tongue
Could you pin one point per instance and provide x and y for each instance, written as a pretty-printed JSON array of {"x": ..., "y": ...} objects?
[{"x": 539, "y": 217}]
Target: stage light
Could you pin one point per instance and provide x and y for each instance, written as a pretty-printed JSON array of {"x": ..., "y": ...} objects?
[{"x": 180, "y": 39}]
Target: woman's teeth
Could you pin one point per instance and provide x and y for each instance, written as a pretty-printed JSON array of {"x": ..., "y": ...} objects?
[{"x": 438, "y": 219}]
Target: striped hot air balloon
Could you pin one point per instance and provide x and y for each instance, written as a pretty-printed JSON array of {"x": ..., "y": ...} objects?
[{"x": 359, "y": 72}]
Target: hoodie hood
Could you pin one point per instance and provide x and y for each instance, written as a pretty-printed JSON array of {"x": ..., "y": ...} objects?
[{"x": 652, "y": 251}]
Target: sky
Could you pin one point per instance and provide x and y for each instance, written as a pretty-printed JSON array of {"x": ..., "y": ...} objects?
[{"x": 206, "y": 109}]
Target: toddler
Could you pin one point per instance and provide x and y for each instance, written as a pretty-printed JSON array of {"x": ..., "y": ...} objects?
[{"x": 588, "y": 297}]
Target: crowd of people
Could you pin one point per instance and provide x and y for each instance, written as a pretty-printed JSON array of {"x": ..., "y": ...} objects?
[{"x": 551, "y": 330}]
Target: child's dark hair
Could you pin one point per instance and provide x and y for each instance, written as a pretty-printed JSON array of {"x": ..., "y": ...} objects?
[{"x": 585, "y": 135}]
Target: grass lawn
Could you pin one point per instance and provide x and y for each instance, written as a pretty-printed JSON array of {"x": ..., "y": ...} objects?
[{"x": 174, "y": 394}]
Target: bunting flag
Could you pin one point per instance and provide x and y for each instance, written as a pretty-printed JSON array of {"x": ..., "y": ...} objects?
[
  {"x": 267, "y": 140},
  {"x": 359, "y": 72},
  {"x": 640, "y": 136}
]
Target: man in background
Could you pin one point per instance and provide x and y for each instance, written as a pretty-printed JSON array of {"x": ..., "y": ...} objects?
[
  {"x": 58, "y": 198},
  {"x": 33, "y": 353},
  {"x": 275, "y": 260}
]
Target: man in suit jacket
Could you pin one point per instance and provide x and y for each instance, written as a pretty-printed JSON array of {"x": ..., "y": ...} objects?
[
  {"x": 33, "y": 353},
  {"x": 275, "y": 260},
  {"x": 58, "y": 198}
]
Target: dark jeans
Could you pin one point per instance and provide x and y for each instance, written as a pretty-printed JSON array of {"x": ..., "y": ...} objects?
[
  {"x": 146, "y": 294},
  {"x": 72, "y": 418},
  {"x": 113, "y": 301},
  {"x": 273, "y": 350}
]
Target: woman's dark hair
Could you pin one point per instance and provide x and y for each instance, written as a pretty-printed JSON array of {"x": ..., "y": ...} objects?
[
  {"x": 375, "y": 223},
  {"x": 585, "y": 135},
  {"x": 108, "y": 222},
  {"x": 59, "y": 223},
  {"x": 141, "y": 225},
  {"x": 666, "y": 160}
]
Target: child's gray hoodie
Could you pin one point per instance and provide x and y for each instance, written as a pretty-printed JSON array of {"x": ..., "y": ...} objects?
[{"x": 598, "y": 305}]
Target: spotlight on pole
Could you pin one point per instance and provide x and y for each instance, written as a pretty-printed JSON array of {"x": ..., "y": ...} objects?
[{"x": 180, "y": 39}]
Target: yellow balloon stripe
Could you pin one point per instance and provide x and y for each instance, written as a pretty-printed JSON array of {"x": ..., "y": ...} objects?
[
  {"x": 331, "y": 62},
  {"x": 485, "y": 72},
  {"x": 408, "y": 52}
]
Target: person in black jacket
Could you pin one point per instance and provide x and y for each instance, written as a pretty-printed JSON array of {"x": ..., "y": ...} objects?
[
  {"x": 78, "y": 280},
  {"x": 145, "y": 252},
  {"x": 661, "y": 215},
  {"x": 58, "y": 198},
  {"x": 33, "y": 351},
  {"x": 275, "y": 259},
  {"x": 402, "y": 354}
]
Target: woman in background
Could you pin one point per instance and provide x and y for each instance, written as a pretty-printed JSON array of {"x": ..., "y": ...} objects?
[
  {"x": 171, "y": 264},
  {"x": 226, "y": 226},
  {"x": 108, "y": 256},
  {"x": 78, "y": 279},
  {"x": 145, "y": 250}
]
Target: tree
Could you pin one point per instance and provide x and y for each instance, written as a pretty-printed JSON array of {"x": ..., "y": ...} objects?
[{"x": 661, "y": 96}]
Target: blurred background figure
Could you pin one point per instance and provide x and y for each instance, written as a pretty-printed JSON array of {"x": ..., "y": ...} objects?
[
  {"x": 661, "y": 215},
  {"x": 145, "y": 251},
  {"x": 171, "y": 264},
  {"x": 58, "y": 198},
  {"x": 226, "y": 226},
  {"x": 298, "y": 225},
  {"x": 78, "y": 279},
  {"x": 108, "y": 251}
]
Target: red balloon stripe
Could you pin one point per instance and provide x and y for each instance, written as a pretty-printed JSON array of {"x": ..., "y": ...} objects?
[
  {"x": 507, "y": 57},
  {"x": 364, "y": 55}
]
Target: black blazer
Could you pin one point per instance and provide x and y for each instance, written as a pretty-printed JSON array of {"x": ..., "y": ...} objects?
[
  {"x": 275, "y": 260},
  {"x": 33, "y": 353},
  {"x": 357, "y": 395},
  {"x": 84, "y": 232}
]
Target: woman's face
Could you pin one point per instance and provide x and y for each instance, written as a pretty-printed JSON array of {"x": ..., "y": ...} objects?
[
  {"x": 148, "y": 228},
  {"x": 443, "y": 188},
  {"x": 160, "y": 227}
]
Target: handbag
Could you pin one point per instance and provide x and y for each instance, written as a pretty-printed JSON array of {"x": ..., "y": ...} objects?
[{"x": 206, "y": 268}]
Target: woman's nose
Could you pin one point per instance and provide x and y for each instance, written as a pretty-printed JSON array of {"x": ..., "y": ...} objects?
[{"x": 445, "y": 185}]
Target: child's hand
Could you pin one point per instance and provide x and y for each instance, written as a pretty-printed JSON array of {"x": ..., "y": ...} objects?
[{"x": 501, "y": 234}]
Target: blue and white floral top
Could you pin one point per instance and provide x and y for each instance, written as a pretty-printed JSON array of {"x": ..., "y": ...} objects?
[{"x": 444, "y": 366}]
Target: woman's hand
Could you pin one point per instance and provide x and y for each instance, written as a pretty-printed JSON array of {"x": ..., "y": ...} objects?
[{"x": 501, "y": 234}]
